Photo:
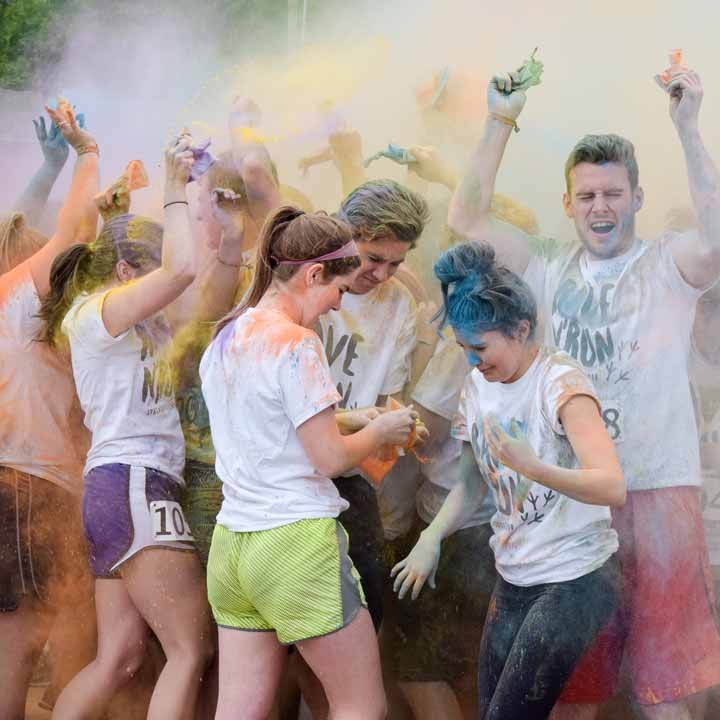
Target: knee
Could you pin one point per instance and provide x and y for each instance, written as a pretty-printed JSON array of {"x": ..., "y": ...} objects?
[
  {"x": 121, "y": 664},
  {"x": 198, "y": 651}
]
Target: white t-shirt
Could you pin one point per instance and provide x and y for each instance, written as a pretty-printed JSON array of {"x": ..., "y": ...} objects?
[
  {"x": 41, "y": 430},
  {"x": 438, "y": 390},
  {"x": 126, "y": 390},
  {"x": 539, "y": 535},
  {"x": 628, "y": 322},
  {"x": 369, "y": 343},
  {"x": 262, "y": 377}
]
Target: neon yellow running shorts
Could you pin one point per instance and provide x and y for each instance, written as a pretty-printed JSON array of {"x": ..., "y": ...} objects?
[{"x": 296, "y": 580}]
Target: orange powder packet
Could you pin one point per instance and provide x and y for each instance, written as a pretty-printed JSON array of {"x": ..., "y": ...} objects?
[
  {"x": 376, "y": 466},
  {"x": 676, "y": 66},
  {"x": 134, "y": 177}
]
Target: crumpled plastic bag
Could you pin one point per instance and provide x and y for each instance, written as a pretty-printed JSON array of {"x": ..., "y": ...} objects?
[
  {"x": 528, "y": 74},
  {"x": 397, "y": 154}
]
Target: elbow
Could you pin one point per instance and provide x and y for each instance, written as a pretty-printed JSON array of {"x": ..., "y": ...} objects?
[
  {"x": 618, "y": 496},
  {"x": 329, "y": 468},
  {"x": 183, "y": 276}
]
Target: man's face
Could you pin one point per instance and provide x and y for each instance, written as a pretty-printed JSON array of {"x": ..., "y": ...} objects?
[
  {"x": 603, "y": 207},
  {"x": 380, "y": 258}
]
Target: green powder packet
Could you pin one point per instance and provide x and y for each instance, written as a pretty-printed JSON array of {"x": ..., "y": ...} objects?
[{"x": 528, "y": 74}]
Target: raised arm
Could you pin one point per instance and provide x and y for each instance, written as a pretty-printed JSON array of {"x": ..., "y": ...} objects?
[
  {"x": 55, "y": 149},
  {"x": 77, "y": 220},
  {"x": 346, "y": 152},
  {"x": 462, "y": 501},
  {"x": 469, "y": 211},
  {"x": 697, "y": 255},
  {"x": 138, "y": 300}
]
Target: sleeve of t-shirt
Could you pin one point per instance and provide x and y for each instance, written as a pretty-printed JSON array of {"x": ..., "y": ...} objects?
[
  {"x": 84, "y": 324},
  {"x": 20, "y": 303},
  {"x": 399, "y": 371},
  {"x": 305, "y": 381},
  {"x": 439, "y": 386},
  {"x": 669, "y": 272},
  {"x": 563, "y": 381},
  {"x": 459, "y": 426}
]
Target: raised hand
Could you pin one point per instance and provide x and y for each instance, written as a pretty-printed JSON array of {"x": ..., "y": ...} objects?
[
  {"x": 686, "y": 93},
  {"x": 431, "y": 166},
  {"x": 179, "y": 159},
  {"x": 71, "y": 126},
  {"x": 502, "y": 99},
  {"x": 54, "y": 147}
]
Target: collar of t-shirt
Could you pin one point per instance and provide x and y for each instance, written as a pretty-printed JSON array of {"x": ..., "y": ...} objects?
[
  {"x": 521, "y": 384},
  {"x": 598, "y": 271}
]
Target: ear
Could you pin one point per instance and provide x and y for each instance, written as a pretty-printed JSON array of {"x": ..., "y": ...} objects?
[
  {"x": 523, "y": 330},
  {"x": 638, "y": 198},
  {"x": 566, "y": 205},
  {"x": 314, "y": 273},
  {"x": 124, "y": 271}
]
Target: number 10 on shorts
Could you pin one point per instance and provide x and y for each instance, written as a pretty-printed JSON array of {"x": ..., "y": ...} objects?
[{"x": 169, "y": 522}]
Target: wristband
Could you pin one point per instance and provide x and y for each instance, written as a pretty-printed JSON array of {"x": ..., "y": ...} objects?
[
  {"x": 175, "y": 202},
  {"x": 232, "y": 265},
  {"x": 506, "y": 121},
  {"x": 90, "y": 148}
]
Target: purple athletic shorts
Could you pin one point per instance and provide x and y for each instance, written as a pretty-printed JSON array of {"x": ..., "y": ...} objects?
[{"x": 127, "y": 509}]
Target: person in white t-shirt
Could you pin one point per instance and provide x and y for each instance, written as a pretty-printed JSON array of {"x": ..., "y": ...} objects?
[
  {"x": 532, "y": 433},
  {"x": 279, "y": 572},
  {"x": 42, "y": 568},
  {"x": 623, "y": 307},
  {"x": 107, "y": 298}
]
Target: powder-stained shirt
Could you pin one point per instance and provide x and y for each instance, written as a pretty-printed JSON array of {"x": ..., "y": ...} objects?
[
  {"x": 369, "y": 343},
  {"x": 438, "y": 390},
  {"x": 262, "y": 377},
  {"x": 126, "y": 389},
  {"x": 41, "y": 430},
  {"x": 539, "y": 535},
  {"x": 627, "y": 321}
]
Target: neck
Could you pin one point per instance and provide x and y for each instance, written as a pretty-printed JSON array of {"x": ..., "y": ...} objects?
[
  {"x": 284, "y": 302},
  {"x": 528, "y": 357}
]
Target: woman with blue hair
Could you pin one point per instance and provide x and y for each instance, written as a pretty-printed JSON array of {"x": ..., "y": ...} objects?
[{"x": 532, "y": 433}]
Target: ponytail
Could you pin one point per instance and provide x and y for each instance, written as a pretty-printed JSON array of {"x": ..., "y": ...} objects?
[
  {"x": 292, "y": 234},
  {"x": 66, "y": 280}
]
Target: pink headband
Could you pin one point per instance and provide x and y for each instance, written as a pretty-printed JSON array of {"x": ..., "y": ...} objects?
[{"x": 347, "y": 250}]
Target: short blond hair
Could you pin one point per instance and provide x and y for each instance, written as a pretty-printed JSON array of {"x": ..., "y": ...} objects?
[{"x": 18, "y": 241}]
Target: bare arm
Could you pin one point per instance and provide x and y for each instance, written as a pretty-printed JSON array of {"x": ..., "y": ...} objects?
[
  {"x": 469, "y": 211},
  {"x": 131, "y": 303},
  {"x": 77, "y": 220},
  {"x": 598, "y": 480},
  {"x": 346, "y": 151},
  {"x": 55, "y": 149},
  {"x": 332, "y": 453},
  {"x": 462, "y": 501},
  {"x": 697, "y": 255}
]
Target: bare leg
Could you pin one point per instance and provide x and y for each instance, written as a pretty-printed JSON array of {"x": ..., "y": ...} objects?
[
  {"x": 22, "y": 635},
  {"x": 168, "y": 589},
  {"x": 347, "y": 663},
  {"x": 311, "y": 689},
  {"x": 431, "y": 700},
  {"x": 250, "y": 667},
  {"x": 122, "y": 636}
]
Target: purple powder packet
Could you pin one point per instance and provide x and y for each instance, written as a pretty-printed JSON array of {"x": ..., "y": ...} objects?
[{"x": 202, "y": 159}]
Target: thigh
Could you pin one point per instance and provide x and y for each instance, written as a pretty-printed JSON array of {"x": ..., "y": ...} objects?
[
  {"x": 122, "y": 631},
  {"x": 250, "y": 667},
  {"x": 561, "y": 622},
  {"x": 364, "y": 527},
  {"x": 347, "y": 662},
  {"x": 167, "y": 586}
]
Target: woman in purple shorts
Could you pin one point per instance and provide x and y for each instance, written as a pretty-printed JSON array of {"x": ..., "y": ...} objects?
[{"x": 107, "y": 299}]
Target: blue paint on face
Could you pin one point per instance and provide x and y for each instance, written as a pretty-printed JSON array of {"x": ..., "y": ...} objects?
[
  {"x": 472, "y": 357},
  {"x": 472, "y": 344}
]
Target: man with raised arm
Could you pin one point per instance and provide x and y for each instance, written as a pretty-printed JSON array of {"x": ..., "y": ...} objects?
[{"x": 624, "y": 308}]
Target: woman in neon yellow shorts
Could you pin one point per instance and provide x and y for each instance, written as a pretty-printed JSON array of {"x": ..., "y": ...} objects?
[{"x": 278, "y": 572}]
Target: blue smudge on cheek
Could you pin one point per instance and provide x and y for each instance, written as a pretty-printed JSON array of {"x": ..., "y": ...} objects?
[{"x": 472, "y": 357}]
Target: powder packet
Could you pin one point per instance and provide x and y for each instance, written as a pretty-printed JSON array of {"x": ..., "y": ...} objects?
[{"x": 395, "y": 153}]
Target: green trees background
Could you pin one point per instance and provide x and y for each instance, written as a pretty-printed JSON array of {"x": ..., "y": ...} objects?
[{"x": 33, "y": 33}]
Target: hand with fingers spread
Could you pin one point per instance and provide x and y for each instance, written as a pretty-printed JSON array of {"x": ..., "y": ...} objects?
[
  {"x": 54, "y": 147},
  {"x": 431, "y": 166},
  {"x": 71, "y": 127},
  {"x": 513, "y": 451},
  {"x": 685, "y": 89},
  {"x": 346, "y": 147},
  {"x": 418, "y": 567}
]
